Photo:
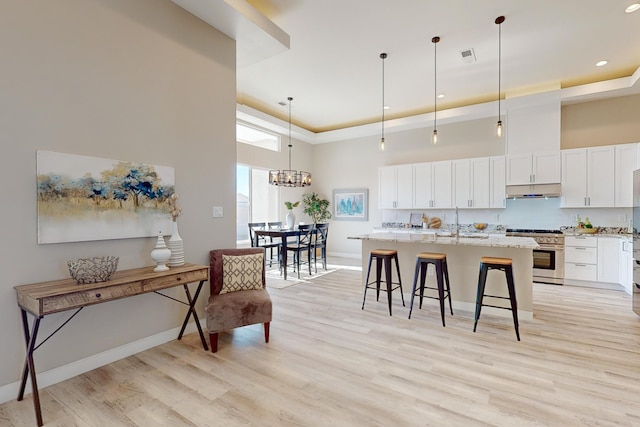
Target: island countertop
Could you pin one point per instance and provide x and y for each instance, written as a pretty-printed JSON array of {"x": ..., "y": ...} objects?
[
  {"x": 463, "y": 257},
  {"x": 496, "y": 241}
]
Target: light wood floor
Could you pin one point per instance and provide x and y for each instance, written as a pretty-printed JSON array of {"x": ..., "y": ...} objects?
[{"x": 331, "y": 363}]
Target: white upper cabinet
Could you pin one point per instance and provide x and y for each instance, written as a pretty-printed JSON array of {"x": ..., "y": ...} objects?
[
  {"x": 626, "y": 162},
  {"x": 533, "y": 168},
  {"x": 432, "y": 185},
  {"x": 588, "y": 177},
  {"x": 497, "y": 176},
  {"x": 396, "y": 187},
  {"x": 471, "y": 183}
]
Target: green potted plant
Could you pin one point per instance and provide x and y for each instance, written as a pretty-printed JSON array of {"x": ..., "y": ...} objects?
[
  {"x": 291, "y": 217},
  {"x": 316, "y": 207}
]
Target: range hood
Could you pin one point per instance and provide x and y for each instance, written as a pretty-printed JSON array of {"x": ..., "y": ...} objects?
[{"x": 532, "y": 191}]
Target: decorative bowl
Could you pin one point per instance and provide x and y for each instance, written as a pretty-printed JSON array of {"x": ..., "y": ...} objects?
[
  {"x": 480, "y": 225},
  {"x": 93, "y": 270},
  {"x": 593, "y": 230}
]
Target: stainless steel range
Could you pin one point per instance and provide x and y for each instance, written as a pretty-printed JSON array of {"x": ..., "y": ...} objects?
[{"x": 548, "y": 260}]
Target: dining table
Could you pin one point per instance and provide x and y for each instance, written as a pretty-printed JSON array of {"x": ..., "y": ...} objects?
[{"x": 283, "y": 234}]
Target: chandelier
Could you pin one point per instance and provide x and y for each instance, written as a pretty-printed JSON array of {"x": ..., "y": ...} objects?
[{"x": 289, "y": 177}]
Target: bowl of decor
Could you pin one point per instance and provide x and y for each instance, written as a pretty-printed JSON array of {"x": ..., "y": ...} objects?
[{"x": 93, "y": 270}]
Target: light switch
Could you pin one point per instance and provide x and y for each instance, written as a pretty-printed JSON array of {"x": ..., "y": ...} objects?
[{"x": 217, "y": 212}]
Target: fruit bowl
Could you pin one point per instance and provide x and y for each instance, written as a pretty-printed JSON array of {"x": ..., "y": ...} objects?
[
  {"x": 593, "y": 230},
  {"x": 93, "y": 270}
]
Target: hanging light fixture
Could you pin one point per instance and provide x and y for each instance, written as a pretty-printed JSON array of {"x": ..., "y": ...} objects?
[
  {"x": 383, "y": 56},
  {"x": 290, "y": 177},
  {"x": 499, "y": 21},
  {"x": 434, "y": 137}
]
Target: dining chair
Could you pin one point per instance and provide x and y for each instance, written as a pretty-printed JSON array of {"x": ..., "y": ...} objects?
[
  {"x": 276, "y": 225},
  {"x": 320, "y": 243},
  {"x": 303, "y": 243},
  {"x": 263, "y": 241}
]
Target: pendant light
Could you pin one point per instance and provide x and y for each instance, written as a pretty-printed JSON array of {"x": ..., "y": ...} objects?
[
  {"x": 290, "y": 177},
  {"x": 434, "y": 137},
  {"x": 383, "y": 56},
  {"x": 499, "y": 21}
]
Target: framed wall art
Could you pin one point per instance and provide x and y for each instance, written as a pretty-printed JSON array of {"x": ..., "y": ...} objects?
[
  {"x": 351, "y": 205},
  {"x": 82, "y": 198}
]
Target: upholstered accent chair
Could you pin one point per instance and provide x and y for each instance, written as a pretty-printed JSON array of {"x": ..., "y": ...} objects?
[{"x": 238, "y": 295}]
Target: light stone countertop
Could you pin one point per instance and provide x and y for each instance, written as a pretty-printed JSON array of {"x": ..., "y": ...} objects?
[{"x": 497, "y": 241}]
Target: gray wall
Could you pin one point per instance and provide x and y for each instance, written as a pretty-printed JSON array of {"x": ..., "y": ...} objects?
[{"x": 140, "y": 81}]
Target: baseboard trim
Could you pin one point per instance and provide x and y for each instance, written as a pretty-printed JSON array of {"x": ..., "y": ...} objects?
[{"x": 53, "y": 376}]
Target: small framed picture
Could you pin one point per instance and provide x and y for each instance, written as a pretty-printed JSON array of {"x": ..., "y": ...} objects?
[{"x": 351, "y": 204}]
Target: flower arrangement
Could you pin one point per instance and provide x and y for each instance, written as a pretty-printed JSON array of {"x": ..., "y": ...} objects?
[
  {"x": 291, "y": 205},
  {"x": 174, "y": 210}
]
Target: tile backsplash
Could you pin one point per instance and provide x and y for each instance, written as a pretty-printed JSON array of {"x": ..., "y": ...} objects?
[{"x": 524, "y": 213}]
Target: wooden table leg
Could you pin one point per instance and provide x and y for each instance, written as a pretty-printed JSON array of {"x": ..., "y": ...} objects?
[
  {"x": 30, "y": 340},
  {"x": 192, "y": 311}
]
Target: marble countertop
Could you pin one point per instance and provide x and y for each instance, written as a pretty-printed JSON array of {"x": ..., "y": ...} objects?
[{"x": 493, "y": 240}]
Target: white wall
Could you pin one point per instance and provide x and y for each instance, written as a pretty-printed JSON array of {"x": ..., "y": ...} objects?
[{"x": 141, "y": 81}]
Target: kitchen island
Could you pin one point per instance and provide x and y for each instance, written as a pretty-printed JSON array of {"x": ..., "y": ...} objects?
[{"x": 463, "y": 259}]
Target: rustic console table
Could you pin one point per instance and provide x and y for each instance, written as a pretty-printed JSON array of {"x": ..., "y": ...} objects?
[{"x": 44, "y": 298}]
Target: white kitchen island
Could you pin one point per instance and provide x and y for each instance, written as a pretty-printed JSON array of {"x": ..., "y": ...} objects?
[{"x": 463, "y": 259}]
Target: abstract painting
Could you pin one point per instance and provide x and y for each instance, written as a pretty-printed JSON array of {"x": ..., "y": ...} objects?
[
  {"x": 350, "y": 205},
  {"x": 83, "y": 198}
]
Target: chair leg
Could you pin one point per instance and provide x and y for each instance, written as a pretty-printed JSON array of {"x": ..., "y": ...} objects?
[
  {"x": 439, "y": 276},
  {"x": 378, "y": 277},
  {"x": 446, "y": 280},
  {"x": 387, "y": 271},
  {"x": 399, "y": 279},
  {"x": 266, "y": 331},
  {"x": 413, "y": 287},
  {"x": 512, "y": 298},
  {"x": 213, "y": 340},
  {"x": 423, "y": 278},
  {"x": 366, "y": 281},
  {"x": 482, "y": 280}
]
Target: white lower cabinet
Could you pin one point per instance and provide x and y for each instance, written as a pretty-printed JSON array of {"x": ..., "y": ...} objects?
[
  {"x": 597, "y": 259},
  {"x": 581, "y": 258},
  {"x": 609, "y": 259}
]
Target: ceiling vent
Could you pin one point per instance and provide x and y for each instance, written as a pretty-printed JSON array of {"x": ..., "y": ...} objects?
[{"x": 468, "y": 56}]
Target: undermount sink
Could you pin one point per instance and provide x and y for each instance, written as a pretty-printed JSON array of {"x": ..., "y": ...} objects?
[{"x": 474, "y": 235}]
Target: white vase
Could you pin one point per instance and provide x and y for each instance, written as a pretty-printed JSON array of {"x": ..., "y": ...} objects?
[
  {"x": 291, "y": 220},
  {"x": 176, "y": 247},
  {"x": 160, "y": 254}
]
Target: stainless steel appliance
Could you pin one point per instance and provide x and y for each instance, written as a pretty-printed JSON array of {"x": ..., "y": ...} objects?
[
  {"x": 636, "y": 242},
  {"x": 548, "y": 260}
]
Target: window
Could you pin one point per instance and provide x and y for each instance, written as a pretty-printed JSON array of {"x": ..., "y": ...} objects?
[
  {"x": 256, "y": 200},
  {"x": 257, "y": 137}
]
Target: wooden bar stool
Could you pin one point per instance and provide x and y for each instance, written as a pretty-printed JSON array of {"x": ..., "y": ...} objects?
[
  {"x": 383, "y": 256},
  {"x": 439, "y": 261},
  {"x": 502, "y": 264}
]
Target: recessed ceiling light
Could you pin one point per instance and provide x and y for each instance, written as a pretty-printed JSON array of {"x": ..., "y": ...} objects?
[
  {"x": 386, "y": 107},
  {"x": 632, "y": 7},
  {"x": 441, "y": 95},
  {"x": 601, "y": 63}
]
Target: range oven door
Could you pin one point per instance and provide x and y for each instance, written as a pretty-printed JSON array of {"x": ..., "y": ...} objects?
[{"x": 548, "y": 265}]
